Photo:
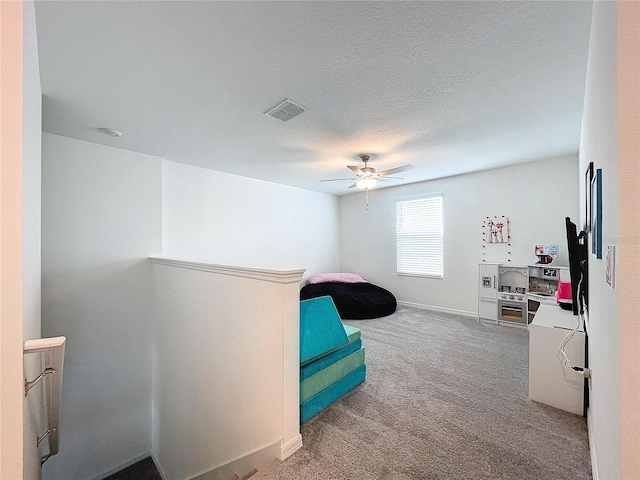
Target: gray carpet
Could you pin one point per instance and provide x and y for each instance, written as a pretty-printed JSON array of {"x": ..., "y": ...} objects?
[
  {"x": 143, "y": 470},
  {"x": 445, "y": 398}
]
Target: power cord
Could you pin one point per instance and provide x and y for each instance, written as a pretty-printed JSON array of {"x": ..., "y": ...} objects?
[{"x": 585, "y": 372}]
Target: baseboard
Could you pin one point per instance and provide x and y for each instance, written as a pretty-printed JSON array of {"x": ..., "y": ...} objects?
[
  {"x": 463, "y": 313},
  {"x": 291, "y": 447},
  {"x": 159, "y": 467},
  {"x": 259, "y": 458},
  {"x": 592, "y": 452},
  {"x": 122, "y": 466},
  {"x": 512, "y": 324}
]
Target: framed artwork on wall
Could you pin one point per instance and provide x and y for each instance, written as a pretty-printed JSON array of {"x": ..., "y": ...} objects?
[
  {"x": 596, "y": 214},
  {"x": 588, "y": 178},
  {"x": 496, "y": 231}
]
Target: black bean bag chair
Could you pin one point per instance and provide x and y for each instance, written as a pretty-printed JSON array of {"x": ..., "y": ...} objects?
[{"x": 354, "y": 301}]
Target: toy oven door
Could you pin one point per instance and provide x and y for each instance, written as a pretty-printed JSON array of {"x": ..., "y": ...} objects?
[{"x": 512, "y": 311}]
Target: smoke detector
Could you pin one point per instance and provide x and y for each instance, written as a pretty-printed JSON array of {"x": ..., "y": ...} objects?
[
  {"x": 112, "y": 132},
  {"x": 286, "y": 110}
]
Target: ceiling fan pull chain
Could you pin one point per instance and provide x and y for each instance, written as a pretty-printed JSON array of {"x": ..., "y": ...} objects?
[{"x": 366, "y": 192}]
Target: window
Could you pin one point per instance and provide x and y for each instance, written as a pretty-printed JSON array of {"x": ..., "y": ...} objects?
[{"x": 419, "y": 236}]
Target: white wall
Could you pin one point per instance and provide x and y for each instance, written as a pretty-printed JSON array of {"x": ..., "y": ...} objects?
[
  {"x": 105, "y": 210},
  {"x": 535, "y": 197},
  {"x": 629, "y": 259},
  {"x": 34, "y": 420},
  {"x": 610, "y": 129},
  {"x": 227, "y": 367},
  {"x": 19, "y": 235},
  {"x": 599, "y": 144},
  {"x": 228, "y": 219},
  {"x": 101, "y": 219}
]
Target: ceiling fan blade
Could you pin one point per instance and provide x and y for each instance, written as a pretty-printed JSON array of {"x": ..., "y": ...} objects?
[
  {"x": 335, "y": 179},
  {"x": 354, "y": 185},
  {"x": 355, "y": 169},
  {"x": 391, "y": 171},
  {"x": 386, "y": 179}
]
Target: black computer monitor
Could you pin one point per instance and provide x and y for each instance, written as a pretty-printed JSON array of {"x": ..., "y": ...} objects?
[{"x": 578, "y": 266}]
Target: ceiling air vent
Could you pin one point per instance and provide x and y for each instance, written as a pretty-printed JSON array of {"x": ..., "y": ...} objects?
[{"x": 286, "y": 110}]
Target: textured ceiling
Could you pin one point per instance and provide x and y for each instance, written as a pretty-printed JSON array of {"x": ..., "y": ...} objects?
[{"x": 449, "y": 87}]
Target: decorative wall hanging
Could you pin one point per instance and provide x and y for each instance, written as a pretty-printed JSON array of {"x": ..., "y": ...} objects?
[
  {"x": 588, "y": 178},
  {"x": 496, "y": 231}
]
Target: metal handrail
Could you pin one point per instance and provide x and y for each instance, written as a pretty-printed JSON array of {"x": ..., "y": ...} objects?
[{"x": 52, "y": 350}]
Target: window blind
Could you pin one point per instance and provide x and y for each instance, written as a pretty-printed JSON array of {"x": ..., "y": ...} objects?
[{"x": 419, "y": 236}]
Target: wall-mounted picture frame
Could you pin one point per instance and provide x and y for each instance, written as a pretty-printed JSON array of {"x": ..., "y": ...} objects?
[
  {"x": 596, "y": 214},
  {"x": 588, "y": 178}
]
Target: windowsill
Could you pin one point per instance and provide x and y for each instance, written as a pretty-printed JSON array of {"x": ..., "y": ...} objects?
[{"x": 439, "y": 277}]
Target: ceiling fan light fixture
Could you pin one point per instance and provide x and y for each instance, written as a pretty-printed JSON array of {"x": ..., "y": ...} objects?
[
  {"x": 366, "y": 183},
  {"x": 367, "y": 177}
]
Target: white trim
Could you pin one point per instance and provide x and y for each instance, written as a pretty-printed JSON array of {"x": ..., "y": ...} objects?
[
  {"x": 122, "y": 466},
  {"x": 592, "y": 452},
  {"x": 291, "y": 447},
  {"x": 244, "y": 462},
  {"x": 502, "y": 323},
  {"x": 419, "y": 275},
  {"x": 274, "y": 276},
  {"x": 464, "y": 313},
  {"x": 159, "y": 468},
  {"x": 507, "y": 323},
  {"x": 419, "y": 196}
]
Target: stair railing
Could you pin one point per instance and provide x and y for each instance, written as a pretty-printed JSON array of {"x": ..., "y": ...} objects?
[{"x": 52, "y": 350}]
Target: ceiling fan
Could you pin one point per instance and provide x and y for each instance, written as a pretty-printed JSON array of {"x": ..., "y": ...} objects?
[{"x": 367, "y": 176}]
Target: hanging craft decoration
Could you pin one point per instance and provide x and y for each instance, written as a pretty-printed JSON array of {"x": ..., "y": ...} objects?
[{"x": 495, "y": 231}]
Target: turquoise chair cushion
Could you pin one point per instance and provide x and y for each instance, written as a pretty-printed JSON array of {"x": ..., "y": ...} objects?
[
  {"x": 328, "y": 376},
  {"x": 323, "y": 362},
  {"x": 321, "y": 330},
  {"x": 326, "y": 397}
]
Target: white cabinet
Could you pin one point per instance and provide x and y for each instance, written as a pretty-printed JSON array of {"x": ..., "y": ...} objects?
[
  {"x": 543, "y": 284},
  {"x": 550, "y": 382},
  {"x": 488, "y": 309},
  {"x": 543, "y": 279},
  {"x": 488, "y": 291},
  {"x": 502, "y": 294},
  {"x": 488, "y": 280}
]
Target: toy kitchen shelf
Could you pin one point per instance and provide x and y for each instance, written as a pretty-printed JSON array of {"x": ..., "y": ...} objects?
[
  {"x": 510, "y": 295},
  {"x": 543, "y": 284}
]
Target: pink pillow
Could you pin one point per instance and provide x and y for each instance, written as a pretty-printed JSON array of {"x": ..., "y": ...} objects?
[
  {"x": 336, "y": 277},
  {"x": 564, "y": 291}
]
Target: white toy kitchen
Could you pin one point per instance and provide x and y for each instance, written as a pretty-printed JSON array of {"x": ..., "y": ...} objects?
[{"x": 510, "y": 294}]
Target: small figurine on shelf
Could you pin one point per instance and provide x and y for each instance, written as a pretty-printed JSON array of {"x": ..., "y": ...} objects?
[{"x": 546, "y": 253}]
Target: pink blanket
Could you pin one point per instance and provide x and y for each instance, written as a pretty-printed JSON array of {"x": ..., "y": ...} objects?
[{"x": 336, "y": 277}]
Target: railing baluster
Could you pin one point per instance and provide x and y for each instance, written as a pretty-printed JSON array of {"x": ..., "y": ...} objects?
[{"x": 52, "y": 350}]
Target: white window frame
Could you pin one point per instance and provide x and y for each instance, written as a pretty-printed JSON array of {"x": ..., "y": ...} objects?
[{"x": 420, "y": 242}]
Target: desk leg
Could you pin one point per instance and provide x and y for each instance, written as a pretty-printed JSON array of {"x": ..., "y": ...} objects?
[{"x": 585, "y": 402}]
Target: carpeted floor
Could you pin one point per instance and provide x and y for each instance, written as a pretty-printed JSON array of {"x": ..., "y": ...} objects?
[
  {"x": 445, "y": 398},
  {"x": 143, "y": 470}
]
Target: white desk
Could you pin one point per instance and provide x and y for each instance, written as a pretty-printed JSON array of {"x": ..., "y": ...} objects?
[{"x": 549, "y": 381}]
